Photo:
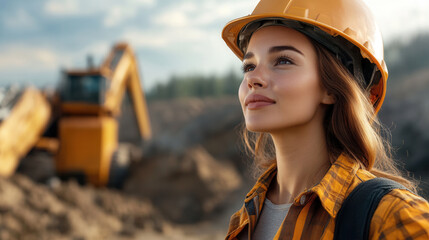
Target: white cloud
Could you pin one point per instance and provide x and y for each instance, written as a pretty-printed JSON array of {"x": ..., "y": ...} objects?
[
  {"x": 117, "y": 15},
  {"x": 227, "y": 10},
  {"x": 23, "y": 57},
  {"x": 118, "y": 11},
  {"x": 142, "y": 2},
  {"x": 26, "y": 64},
  {"x": 114, "y": 12},
  {"x": 200, "y": 13},
  {"x": 20, "y": 20},
  {"x": 62, "y": 8},
  {"x": 99, "y": 49},
  {"x": 397, "y": 19},
  {"x": 166, "y": 38},
  {"x": 172, "y": 19},
  {"x": 176, "y": 15},
  {"x": 145, "y": 38}
]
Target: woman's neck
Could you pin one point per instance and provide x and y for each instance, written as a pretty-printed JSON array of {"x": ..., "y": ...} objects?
[{"x": 302, "y": 161}]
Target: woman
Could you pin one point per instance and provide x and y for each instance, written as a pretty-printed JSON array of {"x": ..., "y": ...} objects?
[{"x": 314, "y": 79}]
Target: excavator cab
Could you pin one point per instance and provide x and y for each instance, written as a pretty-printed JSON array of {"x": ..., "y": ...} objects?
[
  {"x": 89, "y": 88},
  {"x": 91, "y": 104}
]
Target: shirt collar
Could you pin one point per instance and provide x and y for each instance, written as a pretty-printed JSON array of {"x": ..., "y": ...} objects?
[
  {"x": 332, "y": 189},
  {"x": 263, "y": 182}
]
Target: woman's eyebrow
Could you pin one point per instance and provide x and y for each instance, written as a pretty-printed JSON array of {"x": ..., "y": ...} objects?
[
  {"x": 248, "y": 55},
  {"x": 283, "y": 48}
]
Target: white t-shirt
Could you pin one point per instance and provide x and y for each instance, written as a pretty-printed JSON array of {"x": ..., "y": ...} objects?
[{"x": 269, "y": 222}]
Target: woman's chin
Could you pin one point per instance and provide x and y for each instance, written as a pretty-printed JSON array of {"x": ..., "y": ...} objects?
[{"x": 257, "y": 128}]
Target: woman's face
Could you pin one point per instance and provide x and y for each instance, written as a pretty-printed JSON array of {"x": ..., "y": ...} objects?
[{"x": 281, "y": 87}]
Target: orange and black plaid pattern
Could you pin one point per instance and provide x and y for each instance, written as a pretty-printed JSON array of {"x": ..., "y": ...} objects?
[{"x": 400, "y": 214}]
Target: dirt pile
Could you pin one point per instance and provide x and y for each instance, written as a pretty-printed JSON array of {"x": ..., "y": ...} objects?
[
  {"x": 190, "y": 167},
  {"x": 186, "y": 188},
  {"x": 69, "y": 211}
]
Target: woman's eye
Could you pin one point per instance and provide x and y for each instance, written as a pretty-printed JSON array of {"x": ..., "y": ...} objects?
[
  {"x": 248, "y": 68},
  {"x": 283, "y": 61}
]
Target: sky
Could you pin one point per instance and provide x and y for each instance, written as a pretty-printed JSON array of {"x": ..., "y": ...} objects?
[{"x": 38, "y": 38}]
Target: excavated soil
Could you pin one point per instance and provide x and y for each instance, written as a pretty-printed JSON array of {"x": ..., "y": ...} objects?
[
  {"x": 183, "y": 184},
  {"x": 69, "y": 211}
]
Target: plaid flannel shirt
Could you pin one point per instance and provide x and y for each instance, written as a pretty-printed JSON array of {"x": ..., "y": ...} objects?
[{"x": 400, "y": 214}]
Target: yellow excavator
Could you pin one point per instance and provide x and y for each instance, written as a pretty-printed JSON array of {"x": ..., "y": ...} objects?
[{"x": 92, "y": 112}]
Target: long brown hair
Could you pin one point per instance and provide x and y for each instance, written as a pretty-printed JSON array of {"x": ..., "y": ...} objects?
[{"x": 351, "y": 126}]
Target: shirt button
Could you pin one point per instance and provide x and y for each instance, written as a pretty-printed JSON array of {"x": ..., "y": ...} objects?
[{"x": 302, "y": 200}]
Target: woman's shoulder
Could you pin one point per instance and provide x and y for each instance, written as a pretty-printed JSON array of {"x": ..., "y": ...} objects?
[{"x": 401, "y": 214}]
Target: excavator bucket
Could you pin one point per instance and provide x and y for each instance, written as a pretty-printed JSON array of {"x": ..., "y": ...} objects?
[{"x": 25, "y": 115}]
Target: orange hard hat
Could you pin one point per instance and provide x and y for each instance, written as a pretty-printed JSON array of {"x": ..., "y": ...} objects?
[{"x": 345, "y": 27}]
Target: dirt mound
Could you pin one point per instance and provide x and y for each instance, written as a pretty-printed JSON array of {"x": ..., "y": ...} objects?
[
  {"x": 69, "y": 211},
  {"x": 194, "y": 161},
  {"x": 186, "y": 188}
]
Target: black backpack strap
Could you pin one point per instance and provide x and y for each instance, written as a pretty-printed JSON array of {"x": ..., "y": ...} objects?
[{"x": 354, "y": 218}]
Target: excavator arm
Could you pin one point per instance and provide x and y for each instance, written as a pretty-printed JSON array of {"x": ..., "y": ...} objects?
[{"x": 121, "y": 65}]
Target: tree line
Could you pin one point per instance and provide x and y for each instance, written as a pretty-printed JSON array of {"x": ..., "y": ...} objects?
[
  {"x": 196, "y": 85},
  {"x": 403, "y": 58}
]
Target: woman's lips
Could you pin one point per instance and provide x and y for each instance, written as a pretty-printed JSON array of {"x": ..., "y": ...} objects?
[{"x": 255, "y": 101}]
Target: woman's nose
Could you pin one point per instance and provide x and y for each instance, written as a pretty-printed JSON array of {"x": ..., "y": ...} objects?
[{"x": 256, "y": 79}]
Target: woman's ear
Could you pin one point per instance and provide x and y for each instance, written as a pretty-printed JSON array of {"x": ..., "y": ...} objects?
[{"x": 328, "y": 98}]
